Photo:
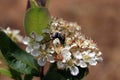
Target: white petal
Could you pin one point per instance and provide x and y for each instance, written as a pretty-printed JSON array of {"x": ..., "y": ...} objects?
[
  {"x": 92, "y": 54},
  {"x": 39, "y": 38},
  {"x": 67, "y": 47},
  {"x": 99, "y": 59},
  {"x": 50, "y": 58},
  {"x": 92, "y": 46},
  {"x": 42, "y": 61},
  {"x": 92, "y": 62},
  {"x": 99, "y": 53},
  {"x": 36, "y": 45},
  {"x": 65, "y": 51},
  {"x": 82, "y": 37},
  {"x": 7, "y": 30},
  {"x": 77, "y": 62},
  {"x": 35, "y": 52},
  {"x": 56, "y": 41},
  {"x": 54, "y": 24},
  {"x": 33, "y": 35},
  {"x": 60, "y": 65},
  {"x": 43, "y": 46},
  {"x": 52, "y": 50},
  {"x": 78, "y": 27},
  {"x": 15, "y": 32},
  {"x": 82, "y": 64},
  {"x": 86, "y": 52},
  {"x": 19, "y": 38},
  {"x": 85, "y": 43},
  {"x": 66, "y": 54},
  {"x": 68, "y": 41},
  {"x": 29, "y": 49},
  {"x": 77, "y": 55},
  {"x": 73, "y": 45},
  {"x": 26, "y": 40},
  {"x": 74, "y": 70}
]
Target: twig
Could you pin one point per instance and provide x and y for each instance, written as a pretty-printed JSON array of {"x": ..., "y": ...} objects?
[
  {"x": 42, "y": 73},
  {"x": 28, "y": 4}
]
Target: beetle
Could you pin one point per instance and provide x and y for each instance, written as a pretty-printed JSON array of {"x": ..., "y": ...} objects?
[{"x": 59, "y": 36}]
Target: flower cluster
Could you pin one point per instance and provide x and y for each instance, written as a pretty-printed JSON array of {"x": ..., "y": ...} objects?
[
  {"x": 38, "y": 48},
  {"x": 67, "y": 46},
  {"x": 13, "y": 34}
]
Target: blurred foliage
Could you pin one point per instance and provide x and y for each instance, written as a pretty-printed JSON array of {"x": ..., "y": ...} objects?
[
  {"x": 5, "y": 72},
  {"x": 55, "y": 74},
  {"x": 17, "y": 59},
  {"x": 99, "y": 19}
]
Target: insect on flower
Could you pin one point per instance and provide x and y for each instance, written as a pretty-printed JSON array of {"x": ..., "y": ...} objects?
[{"x": 59, "y": 36}]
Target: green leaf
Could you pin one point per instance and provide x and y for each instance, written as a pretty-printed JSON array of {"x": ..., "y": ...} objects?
[
  {"x": 17, "y": 58},
  {"x": 15, "y": 75},
  {"x": 36, "y": 19},
  {"x": 2, "y": 59},
  {"x": 55, "y": 74},
  {"x": 28, "y": 77},
  {"x": 5, "y": 72}
]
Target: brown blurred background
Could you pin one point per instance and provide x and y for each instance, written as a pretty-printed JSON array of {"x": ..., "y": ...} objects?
[{"x": 99, "y": 19}]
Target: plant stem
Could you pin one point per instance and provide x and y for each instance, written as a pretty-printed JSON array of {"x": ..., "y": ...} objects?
[
  {"x": 28, "y": 4},
  {"x": 41, "y": 2},
  {"x": 42, "y": 73}
]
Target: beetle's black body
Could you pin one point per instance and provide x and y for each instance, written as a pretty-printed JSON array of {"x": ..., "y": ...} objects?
[{"x": 59, "y": 36}]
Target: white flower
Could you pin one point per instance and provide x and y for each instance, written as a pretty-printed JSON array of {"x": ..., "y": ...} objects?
[
  {"x": 77, "y": 55},
  {"x": 74, "y": 70},
  {"x": 74, "y": 51},
  {"x": 68, "y": 41},
  {"x": 85, "y": 58},
  {"x": 93, "y": 62},
  {"x": 99, "y": 53},
  {"x": 43, "y": 46},
  {"x": 86, "y": 52},
  {"x": 82, "y": 64},
  {"x": 36, "y": 45},
  {"x": 73, "y": 45},
  {"x": 50, "y": 58},
  {"x": 54, "y": 24},
  {"x": 66, "y": 54},
  {"x": 51, "y": 50},
  {"x": 85, "y": 43},
  {"x": 78, "y": 28},
  {"x": 13, "y": 34},
  {"x": 35, "y": 52},
  {"x": 29, "y": 48},
  {"x": 26, "y": 40},
  {"x": 92, "y": 54},
  {"x": 44, "y": 58},
  {"x": 33, "y": 44},
  {"x": 39, "y": 38},
  {"x": 61, "y": 65},
  {"x": 77, "y": 34},
  {"x": 92, "y": 46},
  {"x": 99, "y": 59},
  {"x": 42, "y": 61}
]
